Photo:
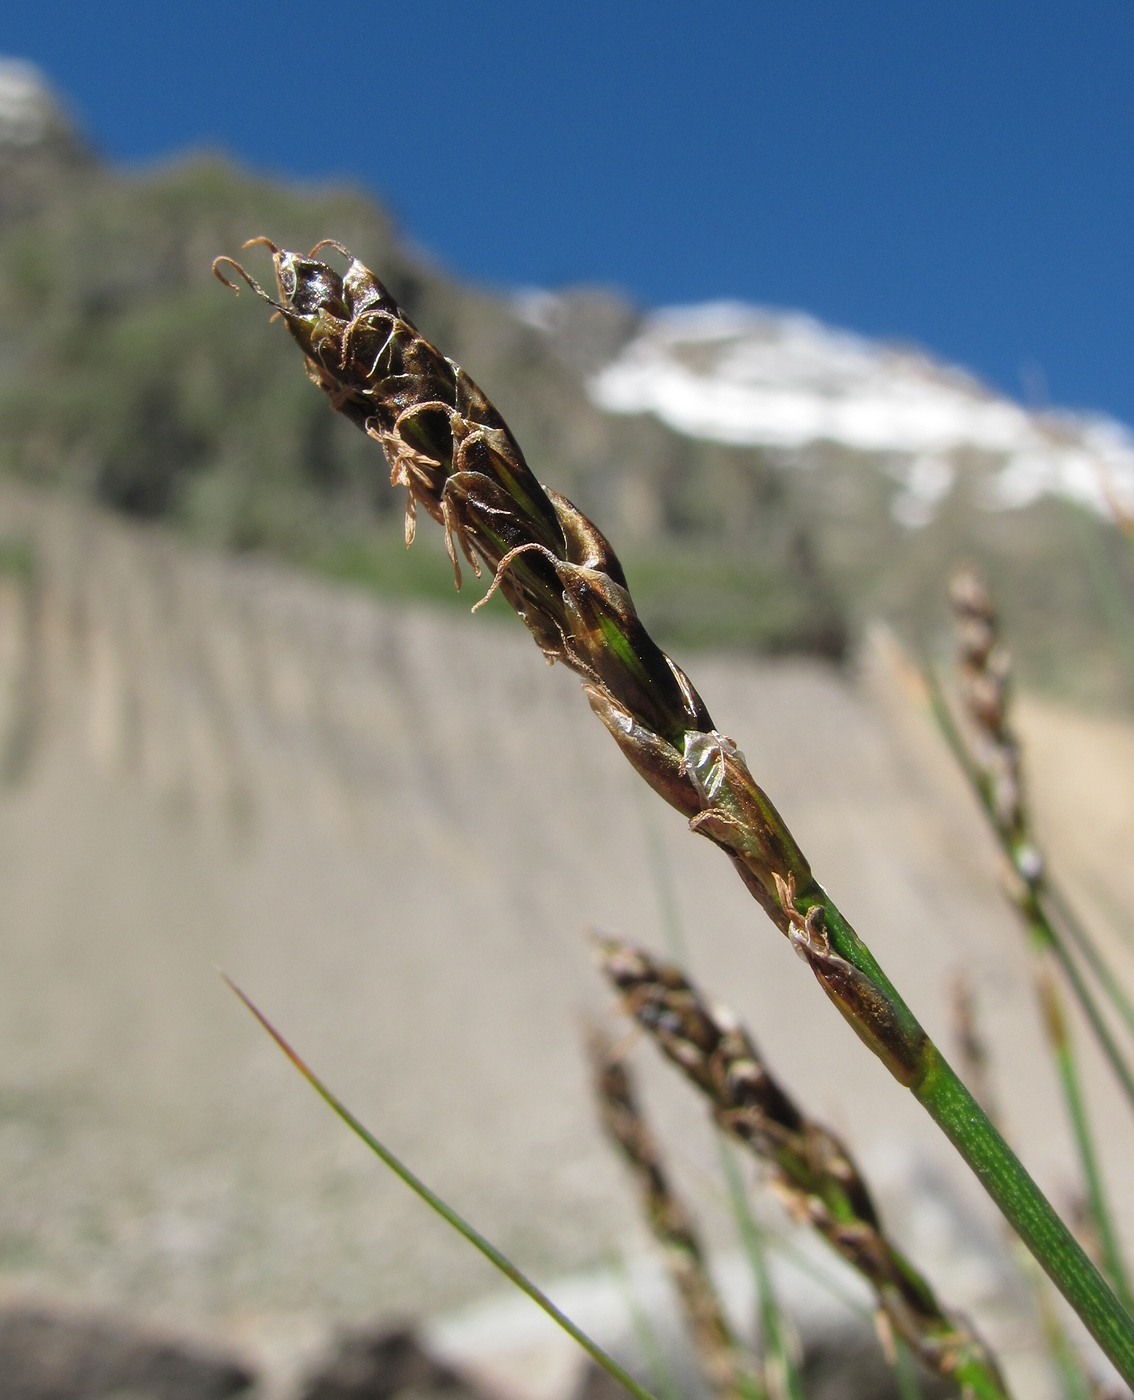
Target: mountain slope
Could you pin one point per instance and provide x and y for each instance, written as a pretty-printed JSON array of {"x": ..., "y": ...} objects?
[
  {"x": 771, "y": 484},
  {"x": 393, "y": 828}
]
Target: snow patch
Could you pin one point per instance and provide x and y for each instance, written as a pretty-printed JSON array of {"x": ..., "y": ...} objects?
[
  {"x": 752, "y": 377},
  {"x": 925, "y": 483},
  {"x": 28, "y": 112}
]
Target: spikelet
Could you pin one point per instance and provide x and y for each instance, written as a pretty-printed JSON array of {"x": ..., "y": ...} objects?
[
  {"x": 671, "y": 1224},
  {"x": 984, "y": 667},
  {"x": 456, "y": 458},
  {"x": 812, "y": 1171}
]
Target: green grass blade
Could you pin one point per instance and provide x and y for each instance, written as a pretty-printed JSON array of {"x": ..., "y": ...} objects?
[
  {"x": 661, "y": 877},
  {"x": 1088, "y": 949},
  {"x": 1041, "y": 927},
  {"x": 652, "y": 1350},
  {"x": 1109, "y": 1248},
  {"x": 777, "y": 1352},
  {"x": 445, "y": 1211},
  {"x": 783, "y": 1380}
]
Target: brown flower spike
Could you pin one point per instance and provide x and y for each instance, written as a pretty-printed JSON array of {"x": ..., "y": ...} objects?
[
  {"x": 814, "y": 1173},
  {"x": 723, "y": 1362},
  {"x": 449, "y": 448}
]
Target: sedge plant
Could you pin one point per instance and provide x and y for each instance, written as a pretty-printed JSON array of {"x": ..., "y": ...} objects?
[
  {"x": 450, "y": 450},
  {"x": 813, "y": 1172}
]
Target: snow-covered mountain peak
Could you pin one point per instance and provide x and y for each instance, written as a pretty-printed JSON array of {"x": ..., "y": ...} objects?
[
  {"x": 30, "y": 113},
  {"x": 748, "y": 376}
]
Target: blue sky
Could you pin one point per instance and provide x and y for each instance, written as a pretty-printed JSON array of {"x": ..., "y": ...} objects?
[{"x": 958, "y": 175}]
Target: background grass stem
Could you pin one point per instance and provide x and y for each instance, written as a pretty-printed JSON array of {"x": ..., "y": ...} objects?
[
  {"x": 1030, "y": 1214},
  {"x": 451, "y": 1217}
]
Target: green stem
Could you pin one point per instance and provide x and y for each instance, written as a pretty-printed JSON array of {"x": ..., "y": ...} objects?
[
  {"x": 1045, "y": 938},
  {"x": 1063, "y": 1052},
  {"x": 938, "y": 1089},
  {"x": 661, "y": 877},
  {"x": 1027, "y": 1210},
  {"x": 1065, "y": 1360},
  {"x": 652, "y": 1351},
  {"x": 905, "y": 1373},
  {"x": 887, "y": 1025},
  {"x": 779, "y": 1364},
  {"x": 1087, "y": 947},
  {"x": 1088, "y": 1158},
  {"x": 1045, "y": 934},
  {"x": 749, "y": 1231},
  {"x": 1033, "y": 906}
]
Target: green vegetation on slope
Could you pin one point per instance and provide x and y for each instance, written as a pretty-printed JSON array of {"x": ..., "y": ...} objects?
[{"x": 127, "y": 378}]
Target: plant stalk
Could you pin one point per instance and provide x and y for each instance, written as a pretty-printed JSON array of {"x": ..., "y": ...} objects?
[
  {"x": 448, "y": 446},
  {"x": 1029, "y": 1213},
  {"x": 1031, "y": 903}
]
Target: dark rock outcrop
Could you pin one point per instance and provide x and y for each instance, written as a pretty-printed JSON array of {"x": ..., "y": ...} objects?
[
  {"x": 49, "y": 1355},
  {"x": 383, "y": 1364}
]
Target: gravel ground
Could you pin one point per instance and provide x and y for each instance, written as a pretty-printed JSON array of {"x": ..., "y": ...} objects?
[{"x": 393, "y": 827}]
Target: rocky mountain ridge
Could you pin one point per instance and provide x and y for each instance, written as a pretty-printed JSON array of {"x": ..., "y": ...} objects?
[
  {"x": 771, "y": 484},
  {"x": 734, "y": 373}
]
